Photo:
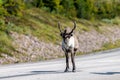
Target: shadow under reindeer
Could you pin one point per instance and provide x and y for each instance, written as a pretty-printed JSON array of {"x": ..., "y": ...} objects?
[
  {"x": 106, "y": 73},
  {"x": 34, "y": 73}
]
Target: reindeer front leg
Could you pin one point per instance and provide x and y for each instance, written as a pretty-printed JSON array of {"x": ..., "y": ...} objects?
[
  {"x": 67, "y": 61},
  {"x": 73, "y": 61}
]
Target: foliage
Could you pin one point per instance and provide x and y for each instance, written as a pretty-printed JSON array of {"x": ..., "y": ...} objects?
[
  {"x": 5, "y": 44},
  {"x": 90, "y": 9},
  {"x": 13, "y": 7},
  {"x": 69, "y": 8},
  {"x": 86, "y": 9}
]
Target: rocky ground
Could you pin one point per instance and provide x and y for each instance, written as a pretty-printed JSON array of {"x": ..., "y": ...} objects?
[{"x": 30, "y": 48}]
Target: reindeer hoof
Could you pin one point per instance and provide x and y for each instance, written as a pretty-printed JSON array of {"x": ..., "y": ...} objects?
[
  {"x": 73, "y": 70},
  {"x": 66, "y": 70}
]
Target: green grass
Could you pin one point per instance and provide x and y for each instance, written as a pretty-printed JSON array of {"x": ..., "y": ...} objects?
[
  {"x": 5, "y": 44},
  {"x": 108, "y": 46},
  {"x": 111, "y": 45},
  {"x": 115, "y": 21}
]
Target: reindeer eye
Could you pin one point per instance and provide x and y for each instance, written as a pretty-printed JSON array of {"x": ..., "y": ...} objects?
[{"x": 69, "y": 36}]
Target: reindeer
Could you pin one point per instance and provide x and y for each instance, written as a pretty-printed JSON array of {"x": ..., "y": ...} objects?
[{"x": 69, "y": 45}]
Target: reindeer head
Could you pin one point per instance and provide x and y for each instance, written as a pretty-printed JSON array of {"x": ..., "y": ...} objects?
[{"x": 66, "y": 35}]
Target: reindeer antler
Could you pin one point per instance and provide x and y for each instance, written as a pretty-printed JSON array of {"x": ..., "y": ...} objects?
[
  {"x": 59, "y": 27},
  {"x": 73, "y": 28}
]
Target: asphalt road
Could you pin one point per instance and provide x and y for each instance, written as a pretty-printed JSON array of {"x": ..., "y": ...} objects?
[{"x": 101, "y": 66}]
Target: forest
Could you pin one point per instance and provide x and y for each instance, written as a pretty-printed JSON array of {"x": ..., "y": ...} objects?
[{"x": 86, "y": 9}]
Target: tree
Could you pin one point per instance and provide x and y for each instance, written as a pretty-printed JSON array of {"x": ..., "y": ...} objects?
[
  {"x": 14, "y": 7},
  {"x": 39, "y": 3},
  {"x": 3, "y": 12},
  {"x": 69, "y": 8}
]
